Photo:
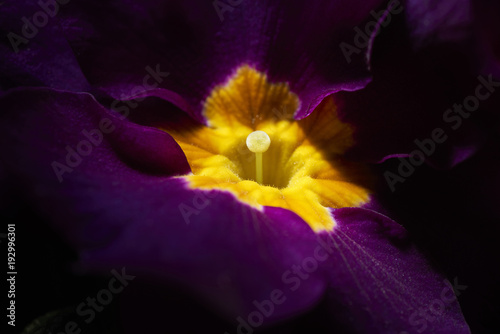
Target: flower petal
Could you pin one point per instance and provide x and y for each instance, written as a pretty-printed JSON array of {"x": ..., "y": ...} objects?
[
  {"x": 458, "y": 227},
  {"x": 36, "y": 54},
  {"x": 379, "y": 283},
  {"x": 200, "y": 47},
  {"x": 439, "y": 22},
  {"x": 414, "y": 86},
  {"x": 85, "y": 138}
]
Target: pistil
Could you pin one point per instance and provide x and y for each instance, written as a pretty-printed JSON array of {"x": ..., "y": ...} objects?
[{"x": 258, "y": 142}]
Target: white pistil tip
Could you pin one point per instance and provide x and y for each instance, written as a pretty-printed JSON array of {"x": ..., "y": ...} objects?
[{"x": 258, "y": 141}]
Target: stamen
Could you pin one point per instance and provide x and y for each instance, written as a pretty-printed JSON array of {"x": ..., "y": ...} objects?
[{"x": 258, "y": 142}]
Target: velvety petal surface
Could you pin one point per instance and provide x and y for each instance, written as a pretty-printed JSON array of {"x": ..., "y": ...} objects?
[
  {"x": 422, "y": 66},
  {"x": 118, "y": 214},
  {"x": 439, "y": 22},
  {"x": 380, "y": 284},
  {"x": 33, "y": 49},
  {"x": 200, "y": 45},
  {"x": 458, "y": 227}
]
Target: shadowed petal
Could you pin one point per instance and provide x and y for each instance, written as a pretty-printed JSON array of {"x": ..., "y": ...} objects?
[
  {"x": 200, "y": 47},
  {"x": 379, "y": 283},
  {"x": 439, "y": 22},
  {"x": 36, "y": 54},
  {"x": 421, "y": 70}
]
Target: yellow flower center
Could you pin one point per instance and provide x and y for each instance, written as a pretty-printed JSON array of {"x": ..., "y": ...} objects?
[{"x": 302, "y": 168}]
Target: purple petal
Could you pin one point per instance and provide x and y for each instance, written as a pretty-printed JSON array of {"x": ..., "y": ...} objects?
[
  {"x": 86, "y": 138},
  {"x": 379, "y": 283},
  {"x": 120, "y": 46},
  {"x": 34, "y": 51},
  {"x": 455, "y": 221},
  {"x": 439, "y": 22},
  {"x": 414, "y": 86}
]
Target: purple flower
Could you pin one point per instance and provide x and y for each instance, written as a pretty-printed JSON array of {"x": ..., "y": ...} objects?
[{"x": 127, "y": 127}]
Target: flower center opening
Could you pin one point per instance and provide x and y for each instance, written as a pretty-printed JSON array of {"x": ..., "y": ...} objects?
[
  {"x": 266, "y": 156},
  {"x": 255, "y": 149}
]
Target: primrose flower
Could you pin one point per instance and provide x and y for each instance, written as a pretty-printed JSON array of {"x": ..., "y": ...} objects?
[{"x": 229, "y": 148}]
